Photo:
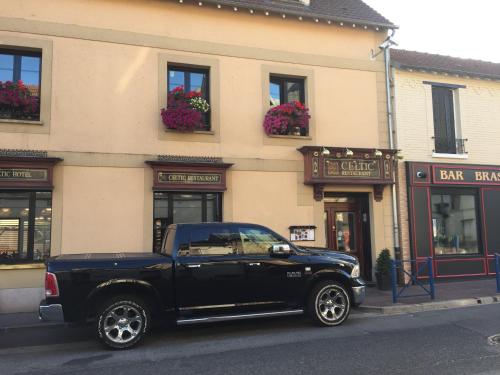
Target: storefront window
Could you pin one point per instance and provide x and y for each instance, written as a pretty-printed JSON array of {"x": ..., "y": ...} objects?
[
  {"x": 25, "y": 223},
  {"x": 454, "y": 223},
  {"x": 172, "y": 208}
]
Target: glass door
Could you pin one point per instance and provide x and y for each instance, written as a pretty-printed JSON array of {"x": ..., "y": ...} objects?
[{"x": 344, "y": 229}]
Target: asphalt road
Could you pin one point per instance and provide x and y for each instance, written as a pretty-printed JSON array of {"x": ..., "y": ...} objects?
[{"x": 438, "y": 342}]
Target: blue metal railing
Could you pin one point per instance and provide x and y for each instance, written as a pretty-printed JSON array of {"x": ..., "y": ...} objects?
[
  {"x": 413, "y": 279},
  {"x": 497, "y": 271}
]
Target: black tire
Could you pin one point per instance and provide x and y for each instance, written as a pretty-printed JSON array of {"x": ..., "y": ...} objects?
[
  {"x": 123, "y": 321},
  {"x": 328, "y": 304}
]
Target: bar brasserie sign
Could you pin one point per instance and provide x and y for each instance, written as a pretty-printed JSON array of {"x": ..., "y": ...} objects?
[
  {"x": 23, "y": 174},
  {"x": 467, "y": 175},
  {"x": 189, "y": 178}
]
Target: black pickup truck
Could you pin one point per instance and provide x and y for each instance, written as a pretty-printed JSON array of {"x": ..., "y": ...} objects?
[{"x": 205, "y": 272}]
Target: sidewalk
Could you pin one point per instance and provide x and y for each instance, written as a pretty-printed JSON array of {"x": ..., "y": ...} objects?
[{"x": 447, "y": 295}]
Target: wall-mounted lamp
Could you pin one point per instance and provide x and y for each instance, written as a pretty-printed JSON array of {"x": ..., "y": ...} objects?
[
  {"x": 348, "y": 153},
  {"x": 377, "y": 153},
  {"x": 325, "y": 151}
]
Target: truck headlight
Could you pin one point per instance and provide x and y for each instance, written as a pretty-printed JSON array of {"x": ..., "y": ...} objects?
[{"x": 355, "y": 271}]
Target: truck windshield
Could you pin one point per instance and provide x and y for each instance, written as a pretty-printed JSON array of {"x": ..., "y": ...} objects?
[{"x": 169, "y": 242}]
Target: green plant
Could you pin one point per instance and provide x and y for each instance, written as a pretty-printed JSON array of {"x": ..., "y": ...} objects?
[{"x": 384, "y": 262}]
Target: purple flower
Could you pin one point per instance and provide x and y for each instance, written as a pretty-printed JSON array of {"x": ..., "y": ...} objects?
[
  {"x": 180, "y": 114},
  {"x": 281, "y": 120}
]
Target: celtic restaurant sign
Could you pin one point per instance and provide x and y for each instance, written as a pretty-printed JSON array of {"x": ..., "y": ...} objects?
[
  {"x": 325, "y": 166},
  {"x": 189, "y": 178},
  {"x": 333, "y": 165},
  {"x": 173, "y": 175},
  {"x": 348, "y": 168}
]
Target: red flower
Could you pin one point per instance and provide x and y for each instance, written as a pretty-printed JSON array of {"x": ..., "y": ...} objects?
[
  {"x": 283, "y": 118},
  {"x": 16, "y": 99},
  {"x": 192, "y": 94},
  {"x": 299, "y": 105},
  {"x": 179, "y": 114},
  {"x": 178, "y": 89}
]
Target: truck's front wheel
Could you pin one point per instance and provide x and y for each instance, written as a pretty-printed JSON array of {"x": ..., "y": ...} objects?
[
  {"x": 329, "y": 304},
  {"x": 123, "y": 321}
]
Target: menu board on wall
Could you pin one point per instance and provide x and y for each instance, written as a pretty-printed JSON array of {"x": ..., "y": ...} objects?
[{"x": 302, "y": 233}]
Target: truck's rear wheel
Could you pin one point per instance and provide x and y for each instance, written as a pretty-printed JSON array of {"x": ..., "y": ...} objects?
[
  {"x": 329, "y": 304},
  {"x": 123, "y": 321}
]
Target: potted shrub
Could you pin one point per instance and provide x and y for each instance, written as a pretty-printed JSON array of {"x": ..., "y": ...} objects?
[
  {"x": 383, "y": 271},
  {"x": 184, "y": 111},
  {"x": 287, "y": 119},
  {"x": 17, "y": 102}
]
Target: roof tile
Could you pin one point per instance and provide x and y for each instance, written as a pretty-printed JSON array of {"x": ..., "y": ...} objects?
[
  {"x": 426, "y": 61},
  {"x": 355, "y": 11}
]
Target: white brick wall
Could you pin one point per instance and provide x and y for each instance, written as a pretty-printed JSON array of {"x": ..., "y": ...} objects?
[{"x": 479, "y": 117}]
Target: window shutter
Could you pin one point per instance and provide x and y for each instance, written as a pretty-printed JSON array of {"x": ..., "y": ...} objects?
[{"x": 444, "y": 120}]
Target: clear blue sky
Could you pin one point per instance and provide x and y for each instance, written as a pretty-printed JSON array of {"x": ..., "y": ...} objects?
[{"x": 461, "y": 28}]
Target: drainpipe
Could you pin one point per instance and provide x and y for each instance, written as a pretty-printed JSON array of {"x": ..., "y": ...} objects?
[{"x": 385, "y": 46}]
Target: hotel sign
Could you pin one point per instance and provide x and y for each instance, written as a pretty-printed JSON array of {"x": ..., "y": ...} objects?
[
  {"x": 465, "y": 175},
  {"x": 23, "y": 174},
  {"x": 189, "y": 178},
  {"x": 26, "y": 172},
  {"x": 348, "y": 168}
]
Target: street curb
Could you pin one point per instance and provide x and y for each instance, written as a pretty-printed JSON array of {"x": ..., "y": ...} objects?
[{"x": 430, "y": 306}]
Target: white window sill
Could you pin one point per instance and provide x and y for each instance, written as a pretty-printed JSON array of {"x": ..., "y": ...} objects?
[
  {"x": 289, "y": 136},
  {"x": 20, "y": 122},
  {"x": 450, "y": 156},
  {"x": 204, "y": 132}
]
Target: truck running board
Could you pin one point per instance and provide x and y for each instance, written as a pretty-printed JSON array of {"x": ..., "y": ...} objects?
[{"x": 220, "y": 318}]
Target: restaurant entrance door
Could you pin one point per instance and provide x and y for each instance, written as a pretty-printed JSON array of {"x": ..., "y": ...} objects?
[{"x": 347, "y": 229}]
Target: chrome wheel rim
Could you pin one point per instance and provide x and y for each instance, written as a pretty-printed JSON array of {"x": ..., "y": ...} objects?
[
  {"x": 123, "y": 324},
  {"x": 331, "y": 304}
]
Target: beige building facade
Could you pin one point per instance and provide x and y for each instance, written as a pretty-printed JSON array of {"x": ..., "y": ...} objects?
[
  {"x": 97, "y": 170},
  {"x": 447, "y": 112}
]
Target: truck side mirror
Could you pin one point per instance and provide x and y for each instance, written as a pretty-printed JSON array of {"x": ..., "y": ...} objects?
[{"x": 280, "y": 250}]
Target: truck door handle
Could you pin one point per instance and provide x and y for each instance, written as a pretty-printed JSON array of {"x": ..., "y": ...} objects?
[
  {"x": 193, "y": 265},
  {"x": 254, "y": 264}
]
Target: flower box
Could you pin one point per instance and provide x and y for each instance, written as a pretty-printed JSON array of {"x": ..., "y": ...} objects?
[
  {"x": 17, "y": 103},
  {"x": 184, "y": 111},
  {"x": 287, "y": 119}
]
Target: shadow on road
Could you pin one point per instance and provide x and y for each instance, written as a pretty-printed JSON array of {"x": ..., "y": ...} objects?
[{"x": 162, "y": 331}]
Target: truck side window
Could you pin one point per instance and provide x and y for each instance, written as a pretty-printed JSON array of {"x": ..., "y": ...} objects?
[
  {"x": 169, "y": 241},
  {"x": 257, "y": 241},
  {"x": 212, "y": 240}
]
